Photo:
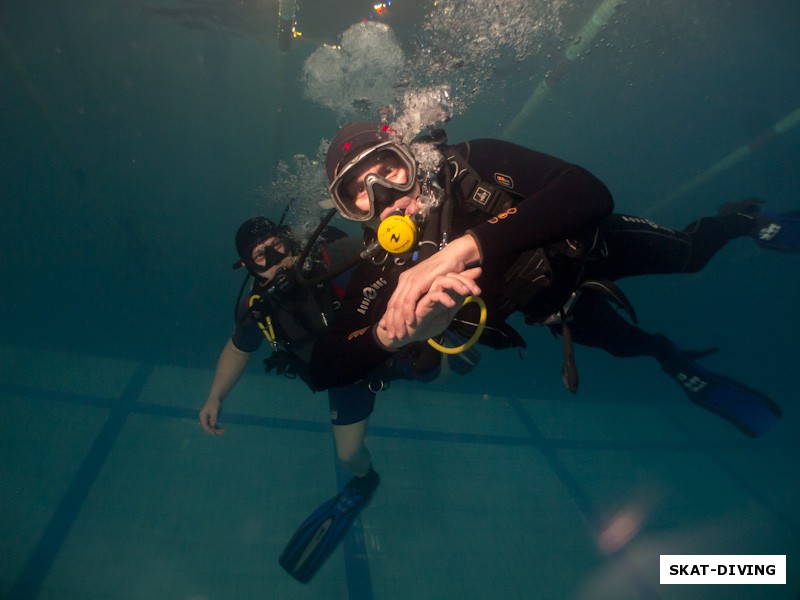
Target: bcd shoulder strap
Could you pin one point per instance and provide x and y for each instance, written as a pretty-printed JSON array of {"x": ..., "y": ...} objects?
[{"x": 473, "y": 191}]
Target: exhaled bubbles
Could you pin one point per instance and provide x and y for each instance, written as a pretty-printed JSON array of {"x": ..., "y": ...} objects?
[
  {"x": 429, "y": 158},
  {"x": 422, "y": 108},
  {"x": 463, "y": 42},
  {"x": 299, "y": 184},
  {"x": 458, "y": 47},
  {"x": 360, "y": 75},
  {"x": 366, "y": 73}
]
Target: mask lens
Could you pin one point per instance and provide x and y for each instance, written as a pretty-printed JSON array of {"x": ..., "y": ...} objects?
[
  {"x": 367, "y": 179},
  {"x": 270, "y": 255}
]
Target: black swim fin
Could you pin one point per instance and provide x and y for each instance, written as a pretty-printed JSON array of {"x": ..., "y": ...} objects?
[
  {"x": 748, "y": 409},
  {"x": 320, "y": 534}
]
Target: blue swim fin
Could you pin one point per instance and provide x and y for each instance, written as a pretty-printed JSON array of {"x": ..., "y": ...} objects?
[
  {"x": 320, "y": 534},
  {"x": 781, "y": 233},
  {"x": 748, "y": 409}
]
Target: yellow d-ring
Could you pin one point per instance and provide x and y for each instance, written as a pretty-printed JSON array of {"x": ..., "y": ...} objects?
[
  {"x": 268, "y": 330},
  {"x": 478, "y": 330}
]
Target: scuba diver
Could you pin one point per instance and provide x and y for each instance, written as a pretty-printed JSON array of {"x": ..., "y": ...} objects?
[
  {"x": 287, "y": 315},
  {"x": 530, "y": 233},
  {"x": 289, "y": 312},
  {"x": 290, "y": 306}
]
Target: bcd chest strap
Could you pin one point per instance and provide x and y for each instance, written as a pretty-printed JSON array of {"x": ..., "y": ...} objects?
[{"x": 474, "y": 192}]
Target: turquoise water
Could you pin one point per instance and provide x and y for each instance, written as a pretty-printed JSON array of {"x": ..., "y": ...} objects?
[{"x": 137, "y": 135}]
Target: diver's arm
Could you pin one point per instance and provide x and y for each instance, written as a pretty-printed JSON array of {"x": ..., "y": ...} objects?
[
  {"x": 434, "y": 311},
  {"x": 344, "y": 357},
  {"x": 558, "y": 199},
  {"x": 561, "y": 200},
  {"x": 572, "y": 201},
  {"x": 230, "y": 366},
  {"x": 339, "y": 359},
  {"x": 349, "y": 350}
]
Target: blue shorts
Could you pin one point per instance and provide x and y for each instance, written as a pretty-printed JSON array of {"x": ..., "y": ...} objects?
[{"x": 350, "y": 404}]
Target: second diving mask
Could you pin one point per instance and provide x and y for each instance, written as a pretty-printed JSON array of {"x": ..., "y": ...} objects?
[
  {"x": 370, "y": 179},
  {"x": 271, "y": 257}
]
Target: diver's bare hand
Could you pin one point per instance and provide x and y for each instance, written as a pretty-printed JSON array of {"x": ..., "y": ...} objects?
[
  {"x": 435, "y": 310},
  {"x": 401, "y": 312},
  {"x": 208, "y": 417}
]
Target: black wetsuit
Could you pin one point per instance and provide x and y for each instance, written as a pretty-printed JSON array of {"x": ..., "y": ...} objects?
[
  {"x": 296, "y": 317},
  {"x": 558, "y": 201}
]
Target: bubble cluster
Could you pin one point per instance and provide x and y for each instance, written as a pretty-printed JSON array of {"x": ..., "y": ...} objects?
[
  {"x": 429, "y": 158},
  {"x": 456, "y": 49},
  {"x": 422, "y": 108},
  {"x": 477, "y": 29},
  {"x": 360, "y": 74},
  {"x": 463, "y": 42},
  {"x": 301, "y": 185}
]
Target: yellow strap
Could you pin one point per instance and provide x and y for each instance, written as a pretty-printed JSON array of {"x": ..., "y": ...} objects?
[
  {"x": 478, "y": 330},
  {"x": 268, "y": 329}
]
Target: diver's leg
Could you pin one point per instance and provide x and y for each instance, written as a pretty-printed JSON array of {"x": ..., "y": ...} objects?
[
  {"x": 351, "y": 449},
  {"x": 638, "y": 246},
  {"x": 351, "y": 407},
  {"x": 596, "y": 323},
  {"x": 770, "y": 230},
  {"x": 324, "y": 529},
  {"x": 709, "y": 235}
]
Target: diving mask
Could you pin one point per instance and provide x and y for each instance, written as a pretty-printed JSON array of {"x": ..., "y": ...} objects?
[
  {"x": 271, "y": 255},
  {"x": 262, "y": 245},
  {"x": 373, "y": 180}
]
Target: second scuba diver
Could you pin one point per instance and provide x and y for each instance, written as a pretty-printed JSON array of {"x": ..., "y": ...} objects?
[
  {"x": 291, "y": 302},
  {"x": 289, "y": 315}
]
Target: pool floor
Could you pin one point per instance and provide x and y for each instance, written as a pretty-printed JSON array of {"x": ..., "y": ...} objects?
[{"x": 111, "y": 490}]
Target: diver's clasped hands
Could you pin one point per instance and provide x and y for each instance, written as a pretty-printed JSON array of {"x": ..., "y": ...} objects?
[
  {"x": 431, "y": 292},
  {"x": 434, "y": 311}
]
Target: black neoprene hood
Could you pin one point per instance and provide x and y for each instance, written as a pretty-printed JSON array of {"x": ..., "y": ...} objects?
[
  {"x": 250, "y": 234},
  {"x": 352, "y": 139}
]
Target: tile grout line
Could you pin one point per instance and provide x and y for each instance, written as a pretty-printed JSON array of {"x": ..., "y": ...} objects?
[
  {"x": 580, "y": 497},
  {"x": 691, "y": 445},
  {"x": 713, "y": 454},
  {"x": 356, "y": 561},
  {"x": 31, "y": 578}
]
